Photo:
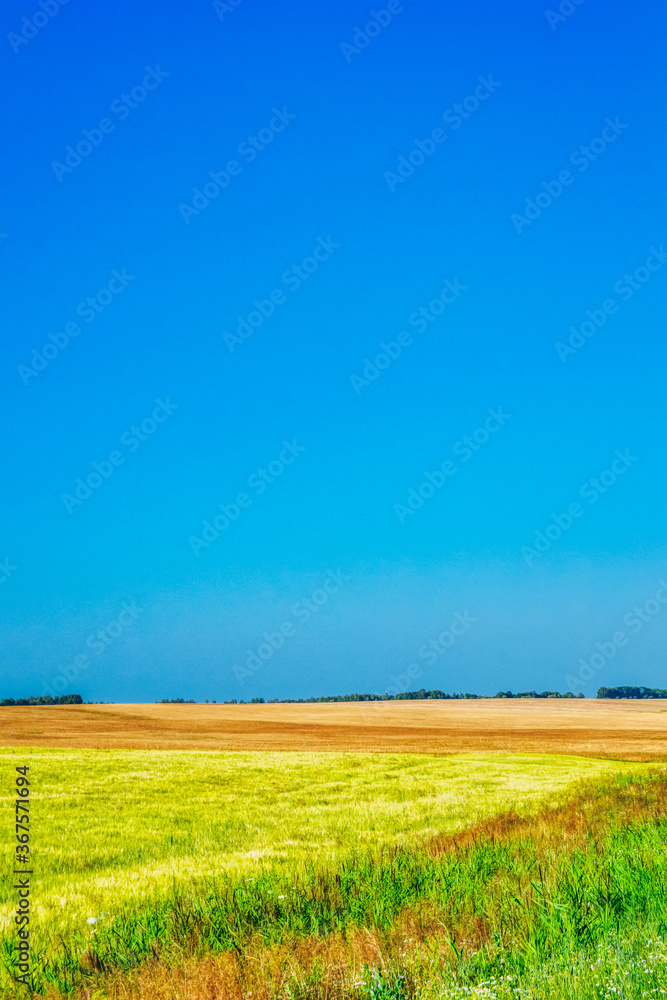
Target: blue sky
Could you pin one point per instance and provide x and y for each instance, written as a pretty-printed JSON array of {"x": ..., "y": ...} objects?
[{"x": 450, "y": 192}]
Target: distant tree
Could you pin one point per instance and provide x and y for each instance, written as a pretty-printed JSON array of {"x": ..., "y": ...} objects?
[
  {"x": 631, "y": 692},
  {"x": 45, "y": 699}
]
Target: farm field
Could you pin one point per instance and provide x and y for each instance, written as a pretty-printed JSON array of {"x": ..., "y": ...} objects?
[
  {"x": 119, "y": 826},
  {"x": 341, "y": 875},
  {"x": 583, "y": 727},
  {"x": 568, "y": 904},
  {"x": 336, "y": 875}
]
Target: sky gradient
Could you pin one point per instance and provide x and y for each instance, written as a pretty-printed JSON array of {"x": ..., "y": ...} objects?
[{"x": 305, "y": 294}]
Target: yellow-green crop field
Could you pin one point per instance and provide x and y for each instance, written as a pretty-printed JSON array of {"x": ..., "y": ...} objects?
[{"x": 111, "y": 829}]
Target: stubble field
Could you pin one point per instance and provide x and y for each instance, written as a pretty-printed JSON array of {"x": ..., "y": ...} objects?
[{"x": 585, "y": 727}]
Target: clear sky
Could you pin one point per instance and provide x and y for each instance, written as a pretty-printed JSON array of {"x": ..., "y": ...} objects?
[{"x": 337, "y": 319}]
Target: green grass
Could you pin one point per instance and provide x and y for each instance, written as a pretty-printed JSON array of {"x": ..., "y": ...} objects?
[
  {"x": 630, "y": 967},
  {"x": 191, "y": 852}
]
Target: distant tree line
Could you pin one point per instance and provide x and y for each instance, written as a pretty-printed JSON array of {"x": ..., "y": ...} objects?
[
  {"x": 45, "y": 699},
  {"x": 421, "y": 695},
  {"x": 631, "y": 692},
  {"x": 534, "y": 694},
  {"x": 402, "y": 696}
]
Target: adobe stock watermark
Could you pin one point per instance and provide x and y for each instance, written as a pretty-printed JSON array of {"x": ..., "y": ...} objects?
[
  {"x": 132, "y": 439},
  {"x": 430, "y": 652},
  {"x": 625, "y": 287},
  {"x": 94, "y": 137},
  {"x": 565, "y": 9},
  {"x": 454, "y": 117},
  {"x": 6, "y": 570},
  {"x": 635, "y": 620},
  {"x": 582, "y": 157},
  {"x": 292, "y": 279},
  {"x": 378, "y": 21},
  {"x": 250, "y": 148},
  {"x": 259, "y": 481},
  {"x": 223, "y": 7},
  {"x": 30, "y": 27},
  {"x": 302, "y": 612},
  {"x": 88, "y": 310},
  {"x": 591, "y": 491},
  {"x": 419, "y": 320},
  {"x": 98, "y": 642},
  {"x": 465, "y": 448}
]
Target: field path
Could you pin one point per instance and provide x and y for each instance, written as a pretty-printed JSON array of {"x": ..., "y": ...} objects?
[{"x": 629, "y": 730}]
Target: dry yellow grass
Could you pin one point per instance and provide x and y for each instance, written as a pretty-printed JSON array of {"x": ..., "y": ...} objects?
[{"x": 630, "y": 730}]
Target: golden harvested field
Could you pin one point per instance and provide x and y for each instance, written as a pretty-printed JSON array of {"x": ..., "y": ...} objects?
[{"x": 629, "y": 730}]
